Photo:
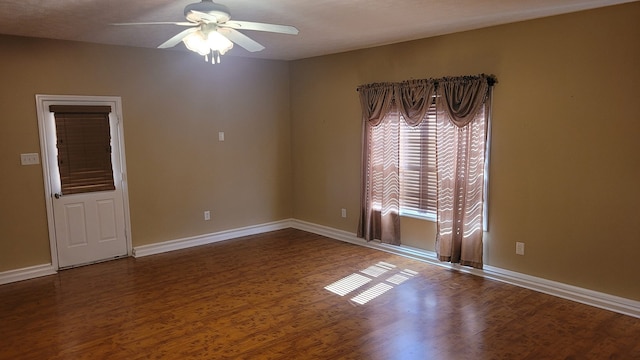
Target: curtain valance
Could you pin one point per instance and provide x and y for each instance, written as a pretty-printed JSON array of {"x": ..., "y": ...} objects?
[
  {"x": 375, "y": 100},
  {"x": 414, "y": 98},
  {"x": 460, "y": 97}
]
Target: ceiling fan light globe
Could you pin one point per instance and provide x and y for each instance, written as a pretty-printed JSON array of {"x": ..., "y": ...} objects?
[
  {"x": 218, "y": 42},
  {"x": 196, "y": 42}
]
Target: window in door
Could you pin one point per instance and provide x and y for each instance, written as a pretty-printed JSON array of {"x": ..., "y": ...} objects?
[{"x": 84, "y": 148}]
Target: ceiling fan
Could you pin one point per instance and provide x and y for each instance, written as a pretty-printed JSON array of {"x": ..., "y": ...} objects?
[{"x": 212, "y": 33}]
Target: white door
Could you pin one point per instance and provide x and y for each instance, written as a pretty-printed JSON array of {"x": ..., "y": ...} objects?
[
  {"x": 89, "y": 227},
  {"x": 86, "y": 227}
]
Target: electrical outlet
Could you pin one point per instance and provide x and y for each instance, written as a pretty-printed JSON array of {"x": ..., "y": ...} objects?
[
  {"x": 207, "y": 215},
  {"x": 519, "y": 248},
  {"x": 344, "y": 213}
]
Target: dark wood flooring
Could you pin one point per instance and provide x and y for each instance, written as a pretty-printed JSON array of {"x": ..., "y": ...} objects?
[{"x": 264, "y": 297}]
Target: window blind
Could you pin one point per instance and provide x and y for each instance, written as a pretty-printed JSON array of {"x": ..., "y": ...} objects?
[
  {"x": 418, "y": 178},
  {"x": 84, "y": 148}
]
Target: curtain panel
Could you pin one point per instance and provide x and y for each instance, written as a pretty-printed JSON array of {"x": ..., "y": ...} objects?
[
  {"x": 380, "y": 199},
  {"x": 461, "y": 134},
  {"x": 462, "y": 107}
]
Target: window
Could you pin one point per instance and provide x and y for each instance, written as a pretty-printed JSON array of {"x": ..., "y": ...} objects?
[
  {"x": 418, "y": 178},
  {"x": 84, "y": 148},
  {"x": 398, "y": 176}
]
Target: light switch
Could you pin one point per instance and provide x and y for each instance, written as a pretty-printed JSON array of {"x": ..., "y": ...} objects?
[
  {"x": 221, "y": 136},
  {"x": 29, "y": 159}
]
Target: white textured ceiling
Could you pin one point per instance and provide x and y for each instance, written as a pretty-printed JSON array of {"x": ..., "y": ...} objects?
[{"x": 326, "y": 26}]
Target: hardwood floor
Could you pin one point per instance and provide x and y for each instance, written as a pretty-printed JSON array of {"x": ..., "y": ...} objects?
[{"x": 264, "y": 297}]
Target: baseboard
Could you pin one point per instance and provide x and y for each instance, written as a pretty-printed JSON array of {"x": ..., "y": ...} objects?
[
  {"x": 26, "y": 273},
  {"x": 158, "y": 248},
  {"x": 589, "y": 297},
  {"x": 585, "y": 296}
]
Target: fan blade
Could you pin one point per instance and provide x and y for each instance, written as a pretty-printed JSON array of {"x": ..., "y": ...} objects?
[
  {"x": 241, "y": 39},
  {"x": 183, "y": 23},
  {"x": 176, "y": 39},
  {"x": 249, "y": 25}
]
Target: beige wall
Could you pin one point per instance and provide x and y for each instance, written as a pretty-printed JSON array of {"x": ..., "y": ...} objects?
[
  {"x": 174, "y": 105},
  {"x": 564, "y": 168},
  {"x": 565, "y": 163}
]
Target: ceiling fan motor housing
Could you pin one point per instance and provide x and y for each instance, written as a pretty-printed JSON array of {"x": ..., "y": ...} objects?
[{"x": 220, "y": 12}]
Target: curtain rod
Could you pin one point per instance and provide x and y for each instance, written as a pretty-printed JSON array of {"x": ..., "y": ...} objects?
[{"x": 491, "y": 79}]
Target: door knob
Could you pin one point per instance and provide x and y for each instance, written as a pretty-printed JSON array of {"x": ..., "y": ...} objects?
[{"x": 57, "y": 195}]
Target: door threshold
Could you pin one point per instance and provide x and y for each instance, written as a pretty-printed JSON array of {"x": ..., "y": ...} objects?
[{"x": 92, "y": 262}]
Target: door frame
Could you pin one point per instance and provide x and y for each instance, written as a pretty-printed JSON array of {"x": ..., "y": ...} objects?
[{"x": 116, "y": 103}]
